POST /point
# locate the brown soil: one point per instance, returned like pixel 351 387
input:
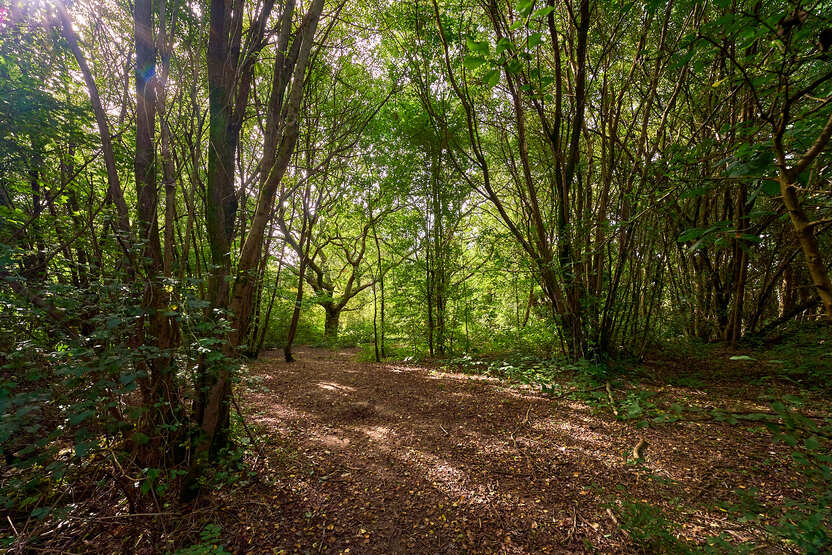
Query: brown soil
pixel 394 458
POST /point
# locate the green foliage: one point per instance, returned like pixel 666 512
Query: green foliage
pixel 526 369
pixel 210 543
pixel 649 529
pixel 807 519
pixel 68 403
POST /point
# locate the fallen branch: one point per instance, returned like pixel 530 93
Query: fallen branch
pixel 251 438
pixel 526 419
pixel 608 387
pixel 639 448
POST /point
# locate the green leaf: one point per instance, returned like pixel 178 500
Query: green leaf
pixel 80 417
pixel 472 62
pixel 502 45
pixel 690 235
pixel 742 357
pixel 140 438
pixel 82 448
pixel 535 39
pixel 477 47
pixel 40 512
pixel 542 12
pixel 514 67
pixel 770 188
pixel 492 77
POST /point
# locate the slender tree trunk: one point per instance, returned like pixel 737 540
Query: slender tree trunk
pixel 379 341
pixel 293 325
pixel 803 228
pixel 305 235
pixel 375 324
pixel 114 192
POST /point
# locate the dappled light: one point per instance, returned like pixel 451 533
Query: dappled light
pixel 336 387
pixel 441 451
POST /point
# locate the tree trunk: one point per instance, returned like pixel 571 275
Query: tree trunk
pixel 808 242
pixel 378 334
pixel 303 255
pixel 331 320
pixel 293 325
pixel 162 410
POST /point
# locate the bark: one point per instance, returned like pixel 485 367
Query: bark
pixel 161 401
pixel 168 168
pixel 293 325
pixel 787 295
pixel 375 325
pixel 803 228
pixel 379 335
pixel 332 317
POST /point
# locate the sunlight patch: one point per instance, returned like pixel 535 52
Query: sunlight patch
pixel 332 386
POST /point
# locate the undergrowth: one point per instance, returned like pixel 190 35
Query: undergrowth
pixel 799 523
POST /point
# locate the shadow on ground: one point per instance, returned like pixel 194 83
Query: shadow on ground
pixel 400 458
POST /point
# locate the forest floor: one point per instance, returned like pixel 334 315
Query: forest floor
pixel 357 457
pixel 391 457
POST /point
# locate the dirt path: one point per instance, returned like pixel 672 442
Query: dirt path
pixel 388 458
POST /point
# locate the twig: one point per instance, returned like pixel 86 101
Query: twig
pixel 245 427
pixel 12 524
pixel 444 430
pixel 574 523
pixel 526 419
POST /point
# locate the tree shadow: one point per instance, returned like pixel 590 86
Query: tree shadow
pixel 448 462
